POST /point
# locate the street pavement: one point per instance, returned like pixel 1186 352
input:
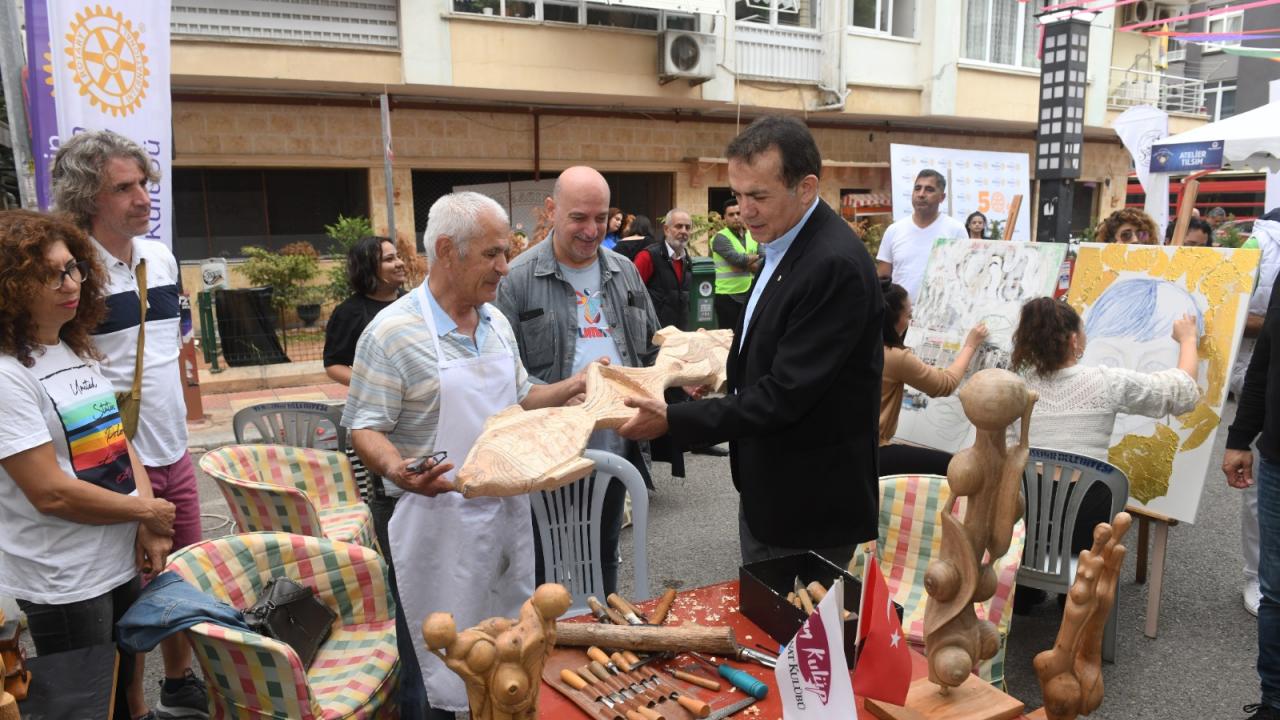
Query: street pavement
pixel 1200 666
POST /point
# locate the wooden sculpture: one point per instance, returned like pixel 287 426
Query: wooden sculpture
pixel 15 679
pixel 521 451
pixel 990 475
pixel 8 703
pixel 500 660
pixel 1071 673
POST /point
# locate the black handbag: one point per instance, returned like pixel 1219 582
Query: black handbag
pixel 292 614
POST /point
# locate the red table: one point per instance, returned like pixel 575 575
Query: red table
pixel 712 605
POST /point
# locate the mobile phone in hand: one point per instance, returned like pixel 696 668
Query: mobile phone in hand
pixel 426 462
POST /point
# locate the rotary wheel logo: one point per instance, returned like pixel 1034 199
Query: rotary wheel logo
pixel 107 60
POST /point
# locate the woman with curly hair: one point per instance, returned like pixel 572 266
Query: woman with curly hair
pixel 377 274
pixel 1130 226
pixel 1078 404
pixel 79 518
pixel 902 368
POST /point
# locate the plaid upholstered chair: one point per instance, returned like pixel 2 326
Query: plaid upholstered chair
pixel 291 489
pixel 910 536
pixel 253 676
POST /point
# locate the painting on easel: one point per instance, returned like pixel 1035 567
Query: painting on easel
pixel 1128 297
pixel 967 282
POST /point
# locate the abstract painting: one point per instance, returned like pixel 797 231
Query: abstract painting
pixel 967 282
pixel 1128 297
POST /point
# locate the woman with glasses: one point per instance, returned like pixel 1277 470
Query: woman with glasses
pixel 902 368
pixel 1130 226
pixel 78 516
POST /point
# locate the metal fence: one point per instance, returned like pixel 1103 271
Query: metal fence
pixel 241 328
pixel 1170 93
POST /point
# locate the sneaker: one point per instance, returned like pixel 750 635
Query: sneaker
pixel 1252 596
pixel 1262 712
pixel 189 701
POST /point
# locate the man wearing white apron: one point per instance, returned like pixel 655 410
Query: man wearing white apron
pixel 429 370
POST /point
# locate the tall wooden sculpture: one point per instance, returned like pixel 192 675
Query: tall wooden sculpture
pixel 990 475
pixel 8 703
pixel 521 451
pixel 500 660
pixel 1071 673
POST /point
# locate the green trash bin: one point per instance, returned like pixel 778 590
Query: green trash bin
pixel 702 294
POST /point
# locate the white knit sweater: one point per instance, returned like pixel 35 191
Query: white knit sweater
pixel 1078 405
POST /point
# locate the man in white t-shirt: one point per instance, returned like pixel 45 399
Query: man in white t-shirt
pixel 103 181
pixel 905 247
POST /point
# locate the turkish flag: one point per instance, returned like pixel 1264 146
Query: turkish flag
pixel 883 671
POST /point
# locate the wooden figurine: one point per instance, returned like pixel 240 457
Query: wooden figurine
pixel 1071 673
pixel 500 660
pixel 521 451
pixel 15 679
pixel 8 703
pixel 989 475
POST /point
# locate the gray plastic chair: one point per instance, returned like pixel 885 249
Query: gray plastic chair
pixel 568 520
pixel 1047 560
pixel 298 423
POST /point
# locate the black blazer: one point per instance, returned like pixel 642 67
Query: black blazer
pixel 803 412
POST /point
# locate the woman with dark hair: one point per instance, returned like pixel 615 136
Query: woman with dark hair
pixel 614 228
pixel 902 368
pixel 976 225
pixel 80 521
pixel 376 274
pixel 1130 226
pixel 640 237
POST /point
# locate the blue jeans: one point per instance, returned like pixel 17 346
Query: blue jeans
pixel 58 628
pixel 1268 481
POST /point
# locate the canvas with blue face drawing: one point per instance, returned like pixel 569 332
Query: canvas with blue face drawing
pixel 967 282
pixel 1128 297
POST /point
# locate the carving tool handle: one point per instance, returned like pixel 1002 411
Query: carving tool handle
pixel 620 662
pixel 619 603
pixel 695 680
pixel 699 708
pixel 650 714
pixel 663 607
pixel 572 679
pixel 744 682
pixel 631 657
pixel 597 655
pixel 603 613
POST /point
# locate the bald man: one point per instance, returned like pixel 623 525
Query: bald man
pixel 572 301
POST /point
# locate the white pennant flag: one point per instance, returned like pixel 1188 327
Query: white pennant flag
pixel 1139 127
pixel 812 673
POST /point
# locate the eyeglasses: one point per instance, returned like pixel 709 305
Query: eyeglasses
pixel 1129 235
pixel 77 270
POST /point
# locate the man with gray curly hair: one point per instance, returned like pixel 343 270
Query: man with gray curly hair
pixel 429 370
pixel 103 181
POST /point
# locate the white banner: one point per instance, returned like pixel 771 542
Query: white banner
pixel 812 673
pixel 1139 127
pixel 976 180
pixel 111 72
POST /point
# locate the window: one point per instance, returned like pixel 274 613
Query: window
pixel 1229 23
pixel 892 17
pixel 217 211
pixel 782 13
pixel 1002 32
pixel 1220 99
pixel 579 12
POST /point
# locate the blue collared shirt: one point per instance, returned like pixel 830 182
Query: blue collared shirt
pixel 773 253
pixel 446 325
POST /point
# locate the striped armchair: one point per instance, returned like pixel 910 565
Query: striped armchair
pixel 910 536
pixel 291 489
pixel 253 676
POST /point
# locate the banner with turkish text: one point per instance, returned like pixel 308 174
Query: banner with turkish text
pixel 111 72
pixel 812 673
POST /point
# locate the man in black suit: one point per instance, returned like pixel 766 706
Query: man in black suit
pixel 803 407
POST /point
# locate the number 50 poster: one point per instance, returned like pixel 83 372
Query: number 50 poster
pixel 976 180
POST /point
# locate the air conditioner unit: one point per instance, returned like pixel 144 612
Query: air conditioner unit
pixel 1141 11
pixel 684 55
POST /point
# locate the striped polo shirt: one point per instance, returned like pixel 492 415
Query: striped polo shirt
pixel 162 420
pixel 395 382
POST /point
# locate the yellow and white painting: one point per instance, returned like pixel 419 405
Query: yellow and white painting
pixel 1128 297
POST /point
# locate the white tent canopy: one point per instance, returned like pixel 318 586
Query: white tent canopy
pixel 1250 139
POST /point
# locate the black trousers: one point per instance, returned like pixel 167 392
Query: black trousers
pixel 898 459
pixel 728 311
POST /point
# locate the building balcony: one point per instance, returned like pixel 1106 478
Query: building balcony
pixel 1170 93
pixel 370 24
pixel 778 54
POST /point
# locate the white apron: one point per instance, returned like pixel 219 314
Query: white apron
pixel 472 558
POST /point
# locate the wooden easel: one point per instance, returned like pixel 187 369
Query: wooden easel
pixel 1146 519
pixel 1014 206
pixel 1186 203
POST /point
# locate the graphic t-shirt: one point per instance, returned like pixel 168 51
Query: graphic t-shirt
pixel 63 400
pixel 595 334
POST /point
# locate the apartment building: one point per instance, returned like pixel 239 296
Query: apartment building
pixel 277 127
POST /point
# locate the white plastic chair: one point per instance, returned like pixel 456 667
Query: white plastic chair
pixel 568 520
pixel 1047 560
pixel 300 423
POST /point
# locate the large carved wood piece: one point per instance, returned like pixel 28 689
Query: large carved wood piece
pixel 1071 673
pixel 521 451
pixel 989 475
pixel 500 660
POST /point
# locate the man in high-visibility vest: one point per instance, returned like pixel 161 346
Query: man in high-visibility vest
pixel 737 258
